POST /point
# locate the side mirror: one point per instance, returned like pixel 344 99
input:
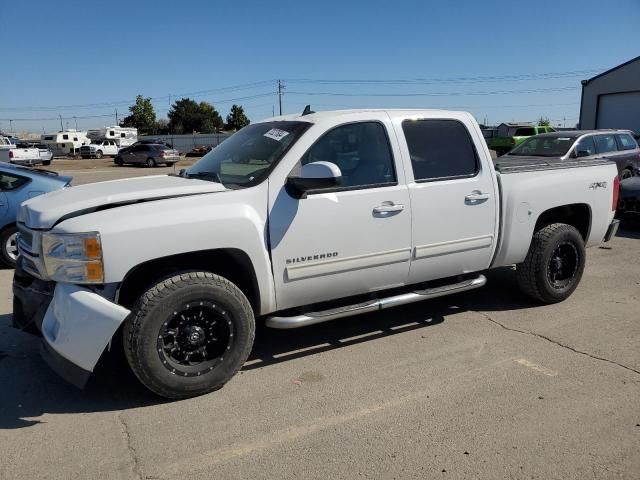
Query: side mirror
pixel 314 176
pixel 582 153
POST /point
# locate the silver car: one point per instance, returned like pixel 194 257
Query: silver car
pixel 148 154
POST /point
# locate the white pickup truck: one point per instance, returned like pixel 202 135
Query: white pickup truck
pixel 294 221
pixel 99 149
pixel 23 154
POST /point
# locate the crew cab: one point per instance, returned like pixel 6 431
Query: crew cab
pixel 294 221
pixel 99 149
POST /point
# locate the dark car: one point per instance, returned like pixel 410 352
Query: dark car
pixel 616 145
pixel 147 154
pixel 629 198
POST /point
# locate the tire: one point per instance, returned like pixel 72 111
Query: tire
pixel 9 246
pixel 554 264
pixel 157 340
pixel 118 161
pixel 626 173
pixel 151 162
pixel 46 163
pixel 99 154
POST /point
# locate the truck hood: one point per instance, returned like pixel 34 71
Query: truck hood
pixel 45 211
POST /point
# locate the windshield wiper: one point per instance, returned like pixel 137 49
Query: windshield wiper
pixel 211 176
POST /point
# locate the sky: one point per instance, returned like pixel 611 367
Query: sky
pixel 500 60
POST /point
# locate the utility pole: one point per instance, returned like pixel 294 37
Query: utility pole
pixel 280 93
pixel 61 127
pixel 11 126
pixel 117 117
pixel 76 120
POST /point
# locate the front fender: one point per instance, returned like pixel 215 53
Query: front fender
pixel 135 234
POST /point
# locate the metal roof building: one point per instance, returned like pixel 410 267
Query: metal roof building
pixel 612 99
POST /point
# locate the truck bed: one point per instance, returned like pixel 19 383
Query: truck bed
pixel 532 164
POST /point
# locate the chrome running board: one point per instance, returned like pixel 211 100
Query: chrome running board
pixel 312 318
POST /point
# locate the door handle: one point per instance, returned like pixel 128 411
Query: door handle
pixel 388 208
pixel 476 196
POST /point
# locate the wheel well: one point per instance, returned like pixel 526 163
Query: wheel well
pixel 231 263
pixel 577 214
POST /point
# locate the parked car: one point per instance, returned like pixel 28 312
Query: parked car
pixel 150 155
pixel 18 184
pixel 99 148
pixel 298 220
pixel 29 154
pixel 515 135
pixel 618 146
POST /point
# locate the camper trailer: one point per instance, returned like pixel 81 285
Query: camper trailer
pixel 123 136
pixel 65 142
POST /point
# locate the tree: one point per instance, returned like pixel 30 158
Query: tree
pixel 544 122
pixel 236 118
pixel 162 126
pixel 142 117
pixel 186 116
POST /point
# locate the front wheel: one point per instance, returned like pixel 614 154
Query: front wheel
pixel 189 334
pixel 99 154
pixel 554 264
pixel 151 162
pixel 118 161
pixel 9 246
pixel 46 163
pixel 626 173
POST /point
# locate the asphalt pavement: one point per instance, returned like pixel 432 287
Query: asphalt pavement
pixel 483 385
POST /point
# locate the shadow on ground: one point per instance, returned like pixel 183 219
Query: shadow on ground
pixel 31 390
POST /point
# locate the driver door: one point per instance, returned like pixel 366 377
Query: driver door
pixel 349 240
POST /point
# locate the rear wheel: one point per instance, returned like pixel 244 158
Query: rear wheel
pixel 9 246
pixel 189 334
pixel 151 162
pixel 46 163
pixel 554 264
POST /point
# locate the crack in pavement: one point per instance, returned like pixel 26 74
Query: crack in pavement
pixel 132 451
pixel 556 342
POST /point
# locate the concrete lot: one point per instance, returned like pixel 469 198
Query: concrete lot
pixel 481 385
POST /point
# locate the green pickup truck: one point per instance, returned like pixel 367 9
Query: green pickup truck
pixel 511 135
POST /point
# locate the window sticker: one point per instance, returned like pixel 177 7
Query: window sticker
pixel 276 134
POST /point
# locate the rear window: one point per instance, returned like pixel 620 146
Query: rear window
pixel 525 132
pixel 11 182
pixel 440 149
pixel 625 142
pixel 605 143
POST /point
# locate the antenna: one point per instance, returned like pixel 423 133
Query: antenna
pixel 307 111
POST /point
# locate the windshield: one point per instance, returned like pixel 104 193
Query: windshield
pixel 544 146
pixel 248 156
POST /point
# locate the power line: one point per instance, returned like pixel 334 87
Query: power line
pixel 437 94
pixel 430 81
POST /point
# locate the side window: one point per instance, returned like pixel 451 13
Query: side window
pixel 65 137
pixel 440 149
pixel 360 150
pixel 525 132
pixel 11 182
pixel 625 142
pixel 112 133
pixel 122 135
pixel 605 143
pixel 586 145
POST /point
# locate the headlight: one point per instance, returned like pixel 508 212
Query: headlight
pixel 73 257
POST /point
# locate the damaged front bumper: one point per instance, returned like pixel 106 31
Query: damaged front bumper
pixel 76 324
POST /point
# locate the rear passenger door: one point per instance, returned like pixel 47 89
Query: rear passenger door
pixel 453 199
